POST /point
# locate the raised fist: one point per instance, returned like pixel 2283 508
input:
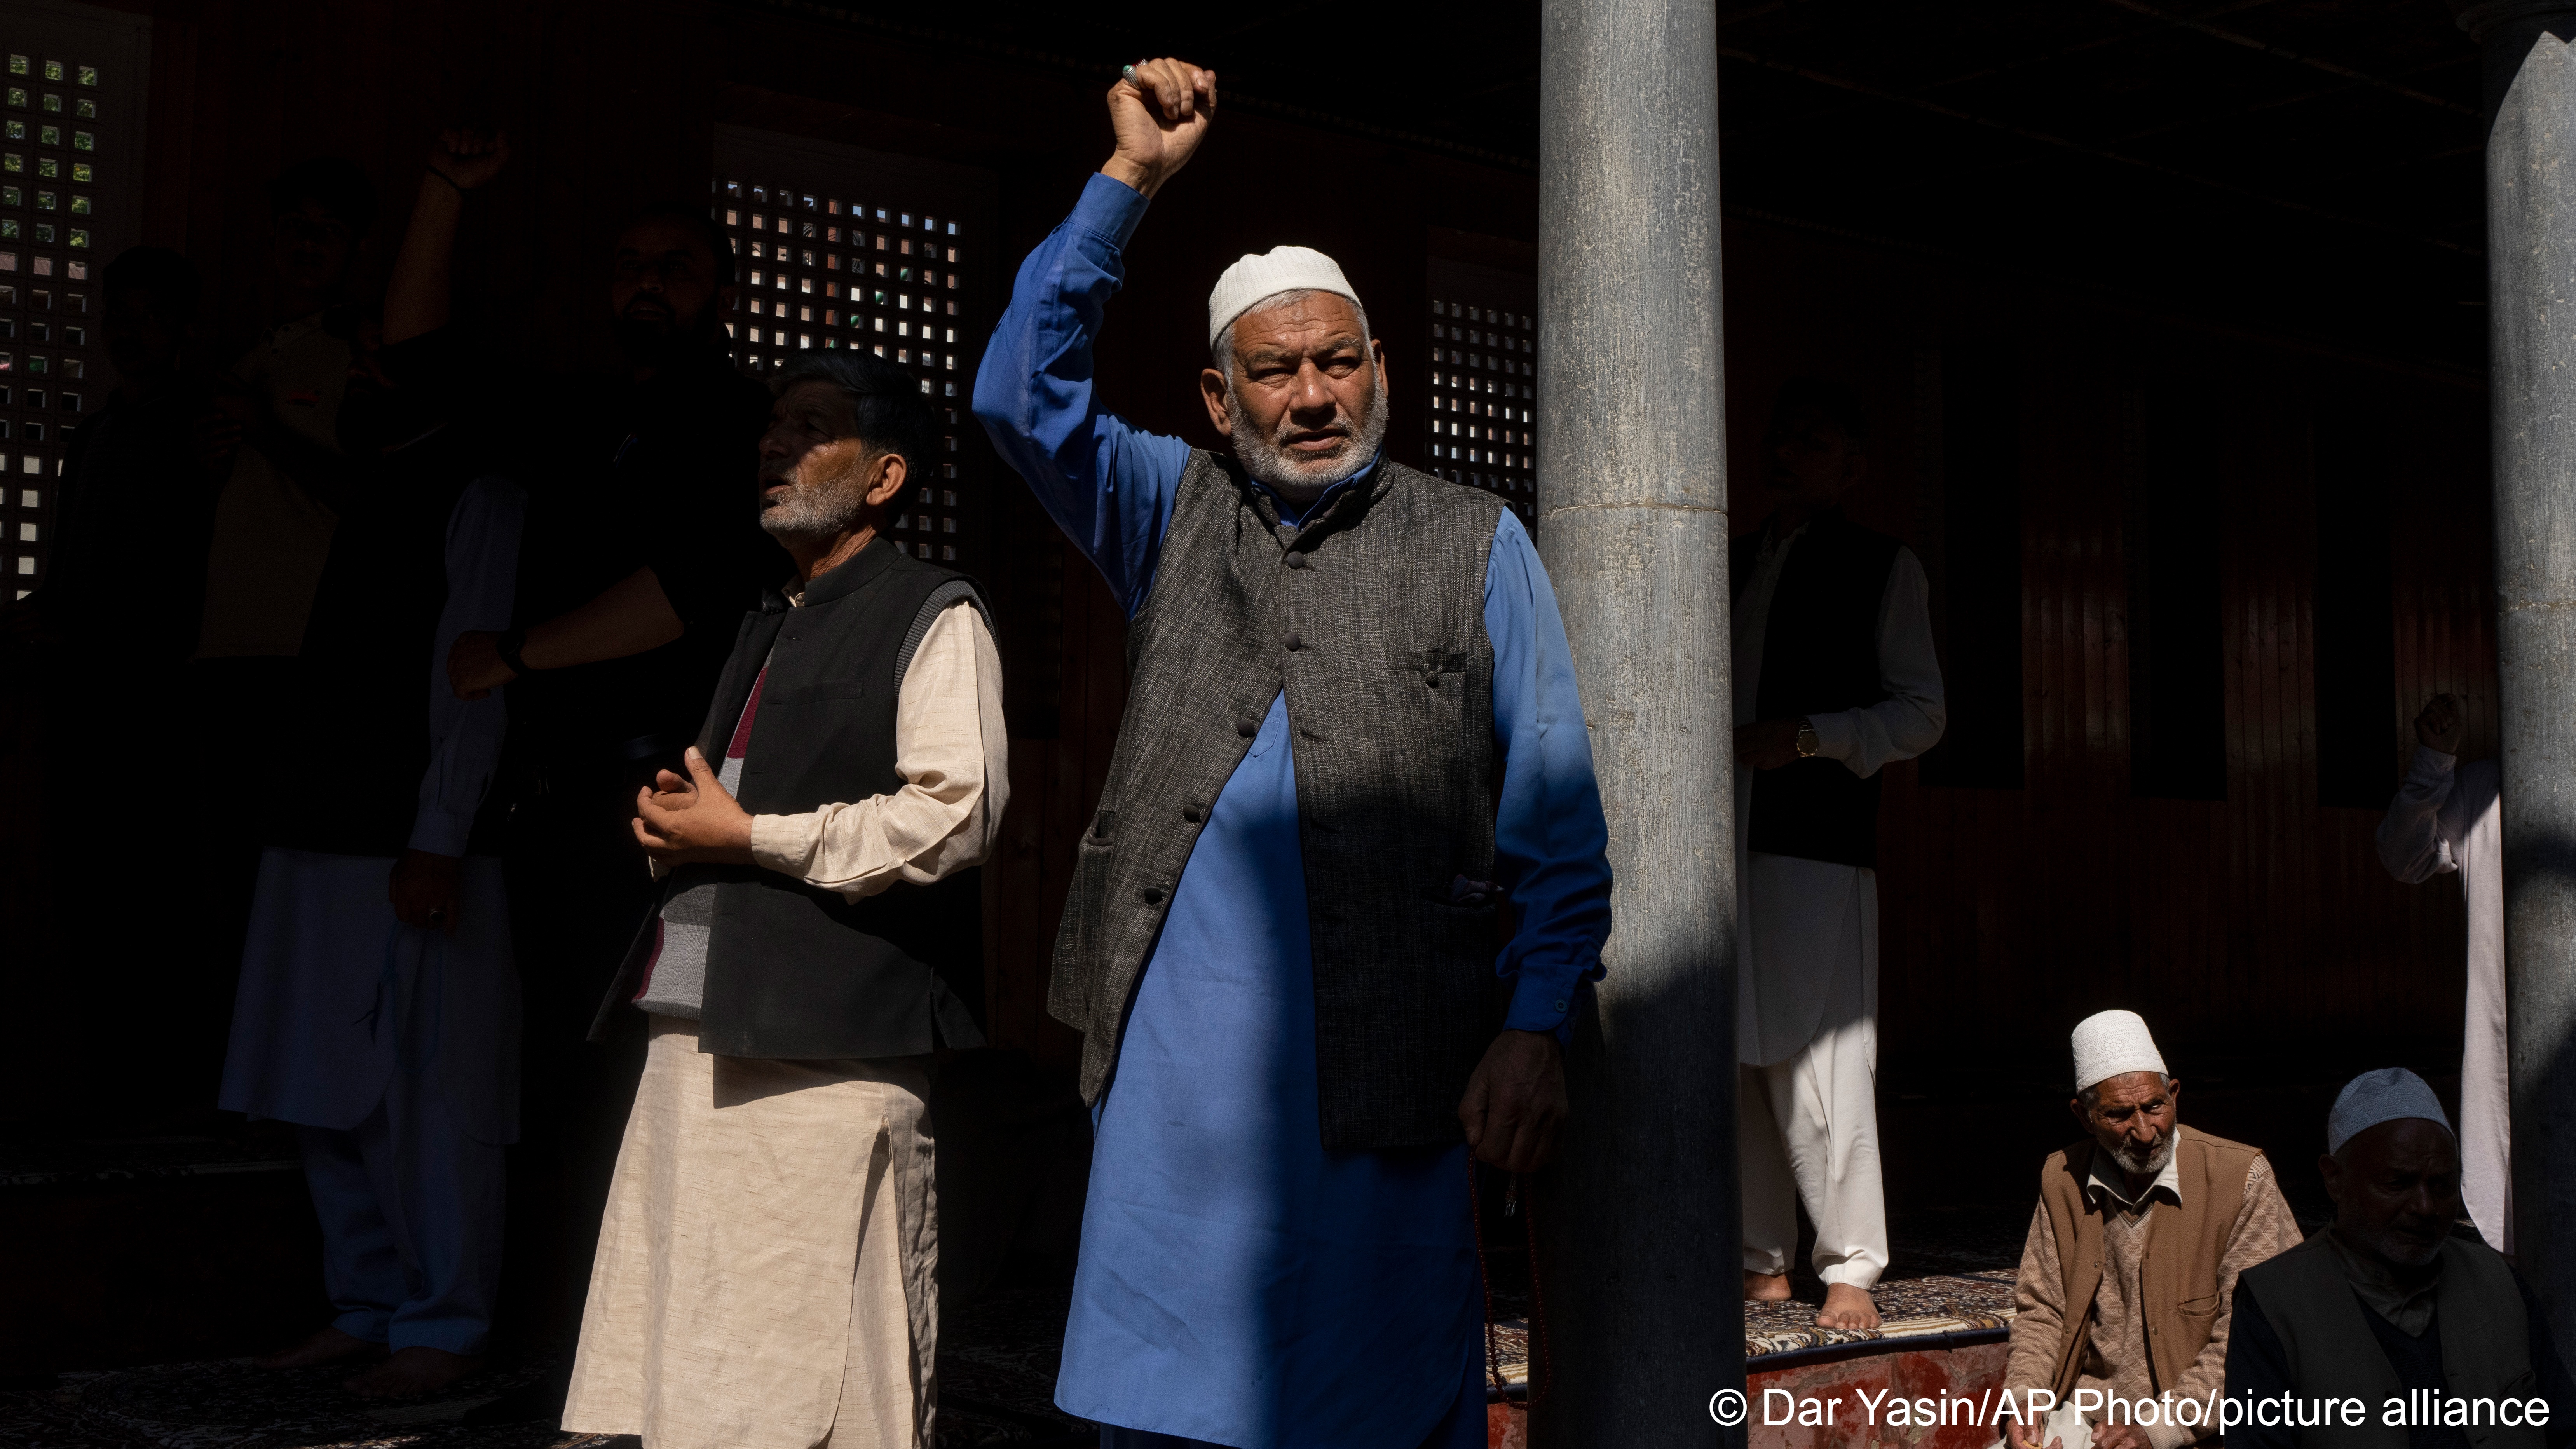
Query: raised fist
pixel 1160 111
pixel 2441 725
pixel 470 158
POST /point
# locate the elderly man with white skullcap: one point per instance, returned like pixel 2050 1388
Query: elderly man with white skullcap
pixel 2132 1257
pixel 2399 1305
pixel 1351 733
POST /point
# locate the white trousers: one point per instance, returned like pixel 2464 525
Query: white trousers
pixel 1807 1123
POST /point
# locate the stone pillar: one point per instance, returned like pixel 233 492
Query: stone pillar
pixel 2531 362
pixel 1643 1267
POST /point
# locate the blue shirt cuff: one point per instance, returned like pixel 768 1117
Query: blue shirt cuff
pixel 1109 208
pixel 1542 1002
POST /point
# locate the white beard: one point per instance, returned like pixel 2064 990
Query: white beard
pixel 809 512
pixel 1300 480
pixel 2149 1165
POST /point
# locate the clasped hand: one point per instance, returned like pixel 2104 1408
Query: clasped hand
pixel 696 819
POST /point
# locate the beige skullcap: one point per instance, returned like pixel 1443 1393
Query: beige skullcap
pixel 1280 269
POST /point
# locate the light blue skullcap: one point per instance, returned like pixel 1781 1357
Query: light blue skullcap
pixel 2385 1095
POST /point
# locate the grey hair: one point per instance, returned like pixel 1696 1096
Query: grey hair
pixel 1221 351
pixel 2093 1094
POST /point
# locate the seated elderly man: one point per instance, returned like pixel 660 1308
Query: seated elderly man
pixel 2399 1305
pixel 2133 1252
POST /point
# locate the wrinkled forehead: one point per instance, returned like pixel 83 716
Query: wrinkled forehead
pixel 2129 1089
pixel 1304 322
pixel 2417 1146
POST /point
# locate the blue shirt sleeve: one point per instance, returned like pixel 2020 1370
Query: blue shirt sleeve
pixel 1107 484
pixel 1551 845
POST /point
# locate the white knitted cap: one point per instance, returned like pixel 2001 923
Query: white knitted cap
pixel 2113 1044
pixel 1281 269
pixel 2381 1096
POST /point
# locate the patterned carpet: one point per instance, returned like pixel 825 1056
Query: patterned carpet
pixel 997 1362
pixel 1907 1308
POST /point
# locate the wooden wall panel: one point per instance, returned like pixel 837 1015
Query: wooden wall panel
pixel 2258 932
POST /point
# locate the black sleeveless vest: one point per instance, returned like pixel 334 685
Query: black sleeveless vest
pixel 1372 619
pixel 2335 1350
pixel 794 971
pixel 1819 656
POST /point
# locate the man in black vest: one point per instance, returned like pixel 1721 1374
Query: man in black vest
pixel 2414 1331
pixel 1834 678
pixel 765 1264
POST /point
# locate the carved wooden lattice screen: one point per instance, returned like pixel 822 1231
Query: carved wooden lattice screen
pixel 839 247
pixel 71 154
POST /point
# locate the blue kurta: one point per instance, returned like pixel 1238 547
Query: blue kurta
pixel 1239 1285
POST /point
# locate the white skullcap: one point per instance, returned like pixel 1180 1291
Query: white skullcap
pixel 2381 1096
pixel 2113 1044
pixel 1281 269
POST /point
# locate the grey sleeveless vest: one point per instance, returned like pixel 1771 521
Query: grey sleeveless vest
pixel 1372 618
pixel 2486 1339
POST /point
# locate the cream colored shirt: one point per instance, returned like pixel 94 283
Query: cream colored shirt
pixel 953 752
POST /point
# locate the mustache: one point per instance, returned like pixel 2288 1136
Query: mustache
pixel 2149 1159
pixel 1339 427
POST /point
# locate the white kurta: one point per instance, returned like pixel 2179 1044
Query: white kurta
pixel 1807 990
pixel 2448 817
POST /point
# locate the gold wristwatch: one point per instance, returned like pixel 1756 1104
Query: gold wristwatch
pixel 1807 742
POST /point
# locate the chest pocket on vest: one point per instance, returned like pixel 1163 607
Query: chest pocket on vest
pixel 1425 693
pixel 2198 1307
pixel 1439 668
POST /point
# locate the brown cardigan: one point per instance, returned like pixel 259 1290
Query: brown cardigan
pixel 2178 1276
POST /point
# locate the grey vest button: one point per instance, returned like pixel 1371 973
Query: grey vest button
pixel 1247 727
pixel 1151 896
pixel 1296 561
pixel 1293 642
pixel 1193 814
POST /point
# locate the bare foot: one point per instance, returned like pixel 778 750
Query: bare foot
pixel 328 1346
pixel 412 1372
pixel 1766 1287
pixel 1847 1307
